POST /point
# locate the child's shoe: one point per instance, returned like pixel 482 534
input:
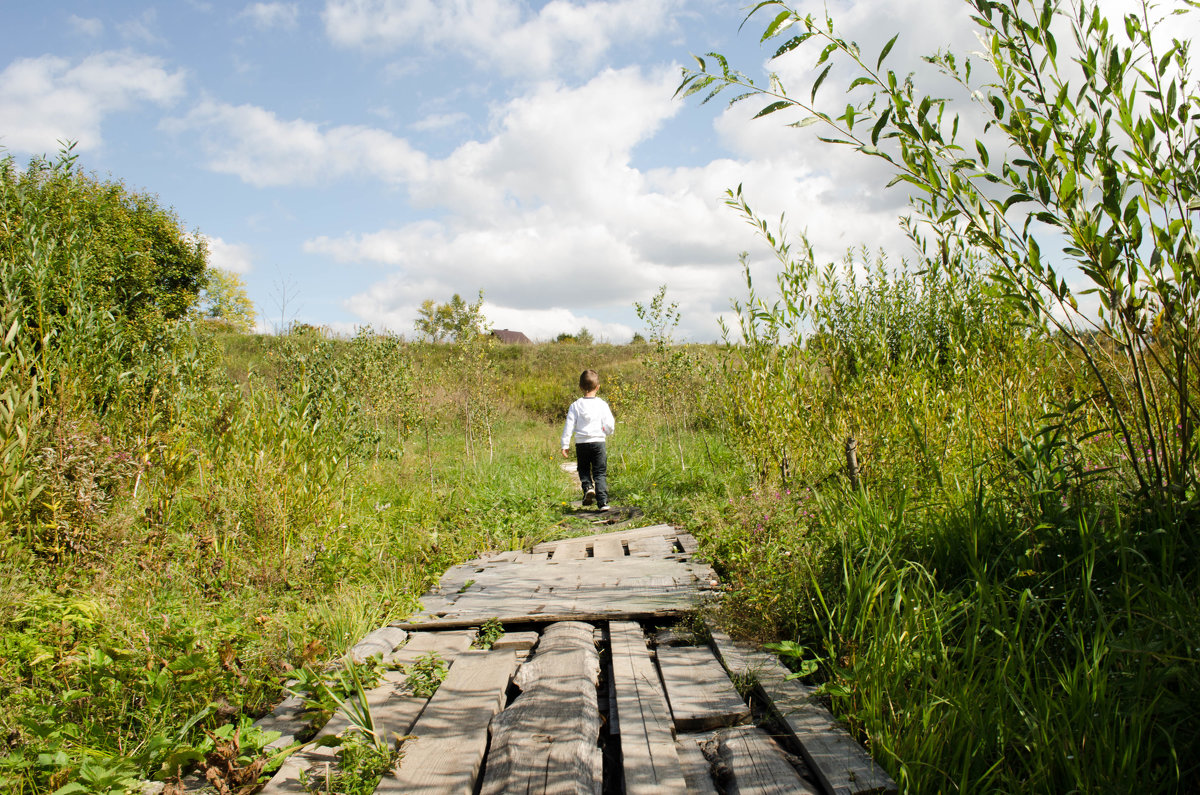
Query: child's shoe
pixel 590 497
pixel 604 508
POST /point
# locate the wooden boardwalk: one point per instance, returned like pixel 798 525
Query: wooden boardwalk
pixel 594 688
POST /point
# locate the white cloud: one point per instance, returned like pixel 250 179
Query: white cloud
pixel 260 148
pixel 86 26
pixel 549 213
pixel 272 15
pixel 547 324
pixel 57 100
pixel 498 33
pixel 232 257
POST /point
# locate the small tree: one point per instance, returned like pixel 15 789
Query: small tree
pixel 455 320
pixel 670 366
pixel 225 300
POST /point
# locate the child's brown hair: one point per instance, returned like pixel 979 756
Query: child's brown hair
pixel 589 380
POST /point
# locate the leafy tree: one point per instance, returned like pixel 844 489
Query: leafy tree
pixel 454 320
pixel 225 300
pixel 138 262
pixel 1090 147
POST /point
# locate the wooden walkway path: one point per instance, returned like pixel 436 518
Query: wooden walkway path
pixel 593 689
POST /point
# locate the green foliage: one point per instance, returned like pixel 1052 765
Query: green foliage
pixel 491 631
pixel 455 320
pixel 361 764
pixel 996 591
pixel 224 300
pixel 426 675
pixel 1098 159
pixel 674 373
pixel 133 258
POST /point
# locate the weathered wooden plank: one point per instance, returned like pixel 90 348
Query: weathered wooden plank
pixel 287 718
pixel 623 535
pixel 657 546
pixel 608 548
pixel 698 689
pixel 688 542
pixel 697 770
pixel 664 604
pixel 651 763
pixel 447 645
pixel 841 764
pixel 517 641
pixel 546 741
pixel 574 549
pixel 756 766
pixel 380 641
pixel 450 737
pixel 393 708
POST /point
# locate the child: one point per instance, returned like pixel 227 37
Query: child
pixel 590 420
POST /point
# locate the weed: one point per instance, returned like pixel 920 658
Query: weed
pixel 489 633
pixel 426 675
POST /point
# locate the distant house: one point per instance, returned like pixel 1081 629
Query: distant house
pixel 510 337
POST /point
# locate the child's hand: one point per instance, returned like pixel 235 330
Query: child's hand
pixel 565 453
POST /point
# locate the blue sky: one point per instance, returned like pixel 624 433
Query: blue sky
pixel 352 158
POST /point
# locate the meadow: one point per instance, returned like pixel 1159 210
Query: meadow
pixel 950 497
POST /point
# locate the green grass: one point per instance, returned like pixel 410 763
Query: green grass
pixel 978 615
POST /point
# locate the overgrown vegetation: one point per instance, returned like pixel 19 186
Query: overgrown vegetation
pixel 1000 597
pixel 1015 565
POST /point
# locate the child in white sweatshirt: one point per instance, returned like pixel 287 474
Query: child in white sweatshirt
pixel 590 420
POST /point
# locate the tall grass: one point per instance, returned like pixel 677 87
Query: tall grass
pixel 991 610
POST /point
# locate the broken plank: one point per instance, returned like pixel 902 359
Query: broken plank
pixel 698 689
pixel 651 763
pixel 546 741
pixel 697 770
pixel 839 762
pixel 450 738
pixel 755 765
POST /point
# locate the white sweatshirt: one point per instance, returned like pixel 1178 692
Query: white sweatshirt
pixel 589 419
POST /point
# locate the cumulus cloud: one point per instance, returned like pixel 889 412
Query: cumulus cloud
pixel 550 213
pixel 56 99
pixel 232 257
pixel 260 148
pixel 272 15
pixel 500 34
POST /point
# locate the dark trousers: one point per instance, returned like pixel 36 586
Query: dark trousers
pixel 593 468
